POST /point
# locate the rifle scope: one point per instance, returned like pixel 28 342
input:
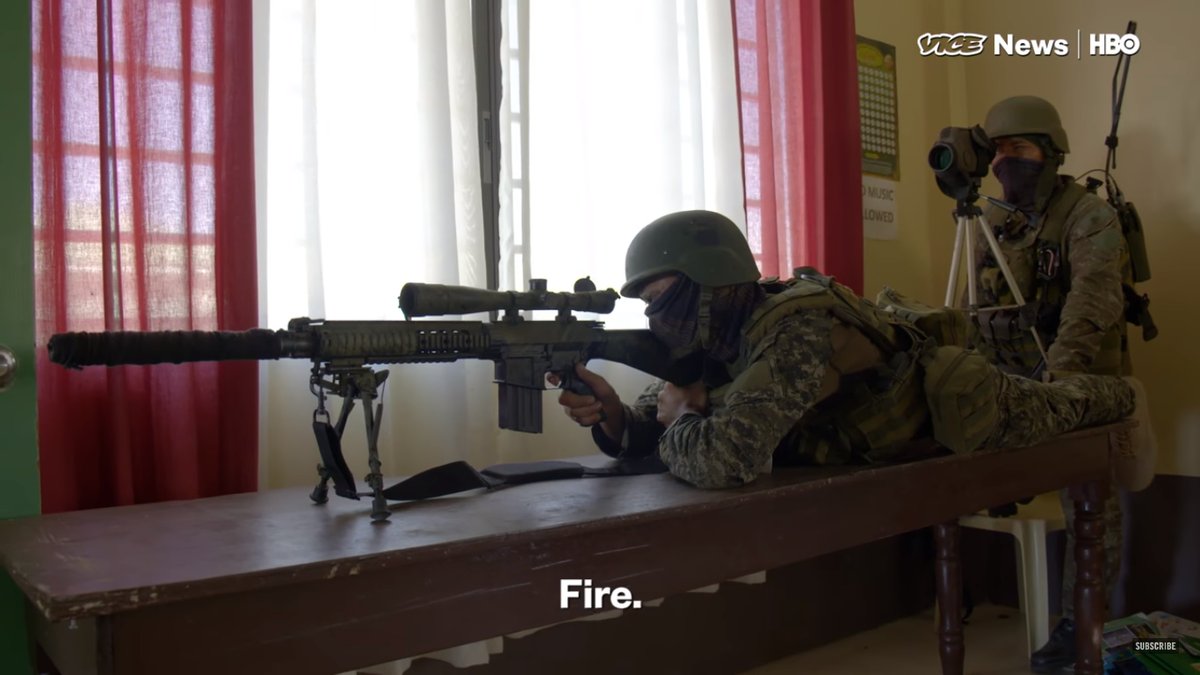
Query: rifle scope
pixel 435 299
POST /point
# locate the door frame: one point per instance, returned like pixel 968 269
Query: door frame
pixel 20 493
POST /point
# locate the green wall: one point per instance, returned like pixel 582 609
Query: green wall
pixel 19 494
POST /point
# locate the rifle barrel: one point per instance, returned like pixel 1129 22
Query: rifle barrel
pixel 135 347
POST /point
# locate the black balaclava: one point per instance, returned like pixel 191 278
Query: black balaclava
pixel 1029 183
pixel 731 307
pixel 675 317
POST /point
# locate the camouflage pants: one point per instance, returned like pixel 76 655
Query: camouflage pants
pixel 1112 548
pixel 1031 411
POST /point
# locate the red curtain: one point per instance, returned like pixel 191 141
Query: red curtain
pixel 144 220
pixel 798 90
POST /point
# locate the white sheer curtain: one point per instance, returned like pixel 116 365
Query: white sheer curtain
pixel 614 113
pixel 628 111
pixel 372 180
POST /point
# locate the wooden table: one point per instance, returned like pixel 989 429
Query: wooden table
pixel 267 582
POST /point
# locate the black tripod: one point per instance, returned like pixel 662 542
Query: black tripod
pixel 970 220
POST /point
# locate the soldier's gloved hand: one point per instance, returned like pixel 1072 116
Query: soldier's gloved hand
pixel 674 402
pixel 604 407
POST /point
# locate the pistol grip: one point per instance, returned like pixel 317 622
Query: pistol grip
pixel 571 382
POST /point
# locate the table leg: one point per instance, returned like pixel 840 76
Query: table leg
pixel 1089 575
pixel 949 595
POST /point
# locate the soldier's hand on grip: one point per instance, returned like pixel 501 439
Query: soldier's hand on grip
pixel 603 407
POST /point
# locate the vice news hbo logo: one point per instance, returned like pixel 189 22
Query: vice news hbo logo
pixel 1006 44
pixel 1110 44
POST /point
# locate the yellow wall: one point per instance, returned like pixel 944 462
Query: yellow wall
pixel 924 107
pixel 1158 158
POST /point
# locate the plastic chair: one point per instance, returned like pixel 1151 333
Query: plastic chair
pixel 1029 527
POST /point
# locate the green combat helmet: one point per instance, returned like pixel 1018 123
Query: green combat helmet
pixel 1025 116
pixel 704 246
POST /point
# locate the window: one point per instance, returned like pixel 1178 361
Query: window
pixel 614 114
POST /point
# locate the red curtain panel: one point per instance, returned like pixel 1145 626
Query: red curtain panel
pixel 798 91
pixel 144 220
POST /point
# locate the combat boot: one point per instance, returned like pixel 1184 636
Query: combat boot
pixel 1059 650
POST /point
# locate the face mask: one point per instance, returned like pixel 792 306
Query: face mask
pixel 731 307
pixel 674 314
pixel 1020 179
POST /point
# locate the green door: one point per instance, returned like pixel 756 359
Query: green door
pixel 18 401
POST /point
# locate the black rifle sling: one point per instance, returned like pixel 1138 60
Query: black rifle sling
pixel 329 444
pixel 460 476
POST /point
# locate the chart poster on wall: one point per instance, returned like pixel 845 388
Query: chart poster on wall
pixel 879 207
pixel 877 108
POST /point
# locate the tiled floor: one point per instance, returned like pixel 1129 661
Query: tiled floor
pixel 995 645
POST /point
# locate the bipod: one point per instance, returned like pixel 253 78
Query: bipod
pixel 351 384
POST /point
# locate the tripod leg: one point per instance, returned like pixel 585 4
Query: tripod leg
pixel 1001 261
pixel 1018 297
pixel 955 263
pixel 972 287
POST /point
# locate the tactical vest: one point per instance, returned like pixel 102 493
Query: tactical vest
pixel 866 415
pixel 1040 267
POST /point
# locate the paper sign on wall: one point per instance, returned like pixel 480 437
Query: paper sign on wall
pixel 877 105
pixel 879 207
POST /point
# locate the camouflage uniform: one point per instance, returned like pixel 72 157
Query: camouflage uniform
pixel 760 416
pixel 816 374
pixel 1080 315
pixel 1079 310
